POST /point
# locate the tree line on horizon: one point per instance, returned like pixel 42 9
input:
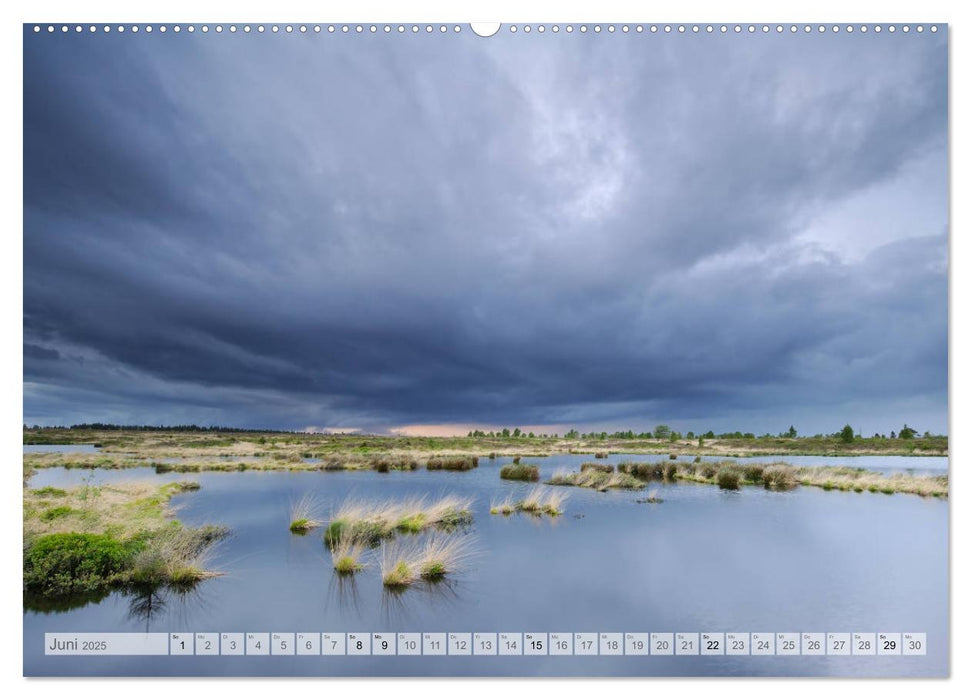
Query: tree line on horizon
pixel 664 432
pixel 660 432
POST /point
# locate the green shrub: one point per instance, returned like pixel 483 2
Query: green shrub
pixel 70 562
pixel 670 471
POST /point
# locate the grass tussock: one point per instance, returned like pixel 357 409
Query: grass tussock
pixel 459 464
pixel 597 467
pixel 347 554
pixel 595 479
pixel 304 515
pixel 728 479
pixel 371 522
pixel 519 472
pixel 507 506
pixel 385 464
pixel 176 556
pixel 431 559
pixel 539 501
pixel 650 471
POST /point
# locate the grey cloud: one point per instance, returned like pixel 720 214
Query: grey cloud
pixel 287 231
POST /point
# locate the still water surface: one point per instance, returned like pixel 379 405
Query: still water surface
pixel 703 560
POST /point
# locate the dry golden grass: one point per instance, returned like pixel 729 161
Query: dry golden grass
pixel 373 521
pixel 595 479
pixel 538 501
pixel 119 510
pixel 347 554
pixel 430 559
pixel 304 515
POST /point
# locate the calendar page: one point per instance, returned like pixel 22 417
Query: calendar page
pixel 515 349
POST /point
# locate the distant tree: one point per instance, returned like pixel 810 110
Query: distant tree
pixel 710 435
pixel 531 434
pixel 662 431
pixel 701 442
pixel 907 433
pixel 517 432
pixel 505 432
pixel 690 435
pixel 791 432
pixel 893 435
pixel 846 434
pixel 572 434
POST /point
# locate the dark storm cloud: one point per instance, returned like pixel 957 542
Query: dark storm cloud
pixel 377 231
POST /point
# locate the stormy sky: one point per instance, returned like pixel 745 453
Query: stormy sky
pixel 424 233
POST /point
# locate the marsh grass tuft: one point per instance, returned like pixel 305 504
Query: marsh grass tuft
pixel 778 477
pixel 175 556
pixel 595 479
pixel 370 523
pixel 538 501
pixel 728 479
pixel 452 463
pixel 384 464
pixel 430 559
pixel 304 515
pixel 520 472
pixel 646 471
pixel 504 507
pixel 753 473
pixel 346 555
pixel 597 467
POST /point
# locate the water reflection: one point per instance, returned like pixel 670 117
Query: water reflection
pixel 342 593
pixel 148 603
pixel 48 605
pixel 400 605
